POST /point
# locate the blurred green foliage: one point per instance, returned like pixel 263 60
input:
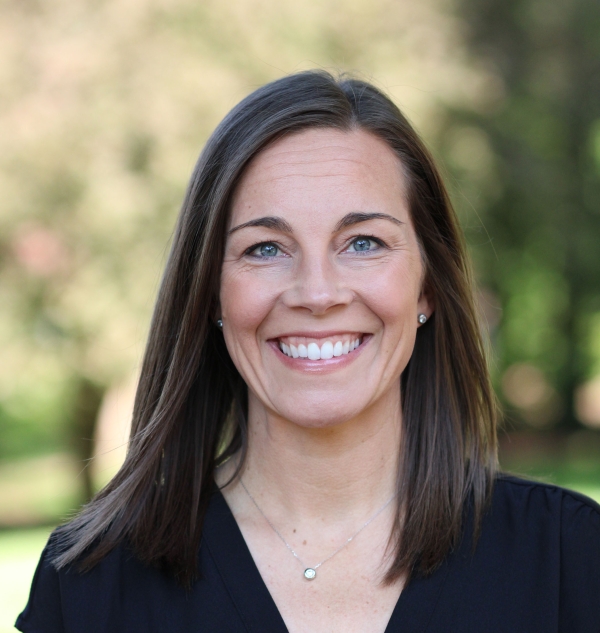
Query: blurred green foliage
pixel 32 424
pixel 529 168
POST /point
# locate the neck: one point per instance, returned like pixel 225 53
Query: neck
pixel 326 473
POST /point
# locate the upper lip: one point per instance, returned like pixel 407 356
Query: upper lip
pixel 318 335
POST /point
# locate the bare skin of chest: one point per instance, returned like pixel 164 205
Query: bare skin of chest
pixel 346 596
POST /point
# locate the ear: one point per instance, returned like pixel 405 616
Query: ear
pixel 426 302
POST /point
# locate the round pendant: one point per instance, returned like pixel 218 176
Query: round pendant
pixel 309 573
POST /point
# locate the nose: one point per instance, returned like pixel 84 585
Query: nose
pixel 318 286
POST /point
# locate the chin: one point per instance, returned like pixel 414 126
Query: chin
pixel 321 414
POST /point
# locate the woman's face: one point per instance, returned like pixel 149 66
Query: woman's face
pixel 321 255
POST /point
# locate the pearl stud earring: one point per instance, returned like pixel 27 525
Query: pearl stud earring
pixel 422 319
pixel 220 324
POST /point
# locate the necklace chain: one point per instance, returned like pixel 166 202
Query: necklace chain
pixel 311 572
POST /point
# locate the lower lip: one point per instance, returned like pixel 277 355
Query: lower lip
pixel 323 365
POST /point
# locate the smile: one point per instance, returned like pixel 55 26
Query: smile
pixel 319 349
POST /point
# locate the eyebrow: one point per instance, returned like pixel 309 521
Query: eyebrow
pixel 279 224
pixel 356 218
pixel 269 222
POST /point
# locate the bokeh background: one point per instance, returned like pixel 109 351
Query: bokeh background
pixel 104 107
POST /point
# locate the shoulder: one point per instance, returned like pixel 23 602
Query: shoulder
pixel 536 565
pixel 50 588
pixel 43 611
pixel 530 499
pixel 44 599
pixel 522 488
pixel 541 513
pixel 530 523
pixel 562 528
pixel 551 536
pixel 121 594
pixel 68 599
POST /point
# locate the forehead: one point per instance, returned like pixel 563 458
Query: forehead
pixel 322 169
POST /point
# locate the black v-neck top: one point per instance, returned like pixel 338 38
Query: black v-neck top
pixel 536 569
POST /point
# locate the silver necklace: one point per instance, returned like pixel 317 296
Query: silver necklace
pixel 310 573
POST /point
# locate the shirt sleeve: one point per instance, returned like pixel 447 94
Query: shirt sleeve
pixel 43 613
pixel 580 565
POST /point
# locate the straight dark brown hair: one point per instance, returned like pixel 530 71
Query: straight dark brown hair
pixel 191 405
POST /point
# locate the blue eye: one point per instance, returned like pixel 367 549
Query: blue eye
pixel 267 249
pixel 362 244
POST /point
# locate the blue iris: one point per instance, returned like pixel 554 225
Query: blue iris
pixel 362 244
pixel 268 250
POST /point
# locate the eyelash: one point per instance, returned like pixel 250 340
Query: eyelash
pixel 250 250
pixel 377 241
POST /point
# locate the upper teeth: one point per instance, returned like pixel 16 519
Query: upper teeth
pixel 317 351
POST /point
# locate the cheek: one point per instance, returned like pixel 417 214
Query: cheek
pixel 393 295
pixel 245 302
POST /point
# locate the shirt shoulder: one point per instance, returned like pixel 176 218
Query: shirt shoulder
pixel 122 594
pixel 519 482
pixel 548 500
pixel 563 526
pixel 534 568
pixel 43 613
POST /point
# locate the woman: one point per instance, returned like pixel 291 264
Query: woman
pixel 313 442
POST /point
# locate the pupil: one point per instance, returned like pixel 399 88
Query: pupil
pixel 361 245
pixel 268 250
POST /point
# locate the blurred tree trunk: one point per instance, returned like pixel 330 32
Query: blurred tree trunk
pixel 86 405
